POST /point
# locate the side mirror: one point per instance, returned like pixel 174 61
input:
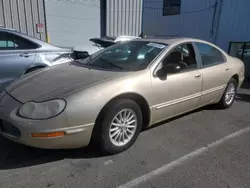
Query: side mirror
pixel 168 68
pixel 79 53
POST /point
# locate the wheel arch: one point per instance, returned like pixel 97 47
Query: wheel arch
pixel 140 100
pixel 34 67
pixel 236 77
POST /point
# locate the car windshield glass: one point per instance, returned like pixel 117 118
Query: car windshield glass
pixel 126 56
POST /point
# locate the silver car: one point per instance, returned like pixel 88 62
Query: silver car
pixel 109 97
pixel 21 54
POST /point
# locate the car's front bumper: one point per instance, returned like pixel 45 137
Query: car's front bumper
pixel 20 129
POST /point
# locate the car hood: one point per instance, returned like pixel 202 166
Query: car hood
pixel 57 82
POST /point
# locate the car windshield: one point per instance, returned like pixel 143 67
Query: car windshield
pixel 126 56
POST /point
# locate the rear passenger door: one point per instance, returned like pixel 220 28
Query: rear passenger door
pixel 215 72
pixel 16 54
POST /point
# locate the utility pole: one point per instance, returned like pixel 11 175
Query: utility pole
pixel 216 20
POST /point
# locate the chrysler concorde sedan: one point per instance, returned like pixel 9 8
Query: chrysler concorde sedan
pixel 109 97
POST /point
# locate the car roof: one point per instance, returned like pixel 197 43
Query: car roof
pixel 41 43
pixel 13 31
pixel 4 28
pixel 168 40
pixel 172 40
pixel 125 38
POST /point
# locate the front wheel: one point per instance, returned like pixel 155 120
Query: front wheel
pixel 120 126
pixel 228 97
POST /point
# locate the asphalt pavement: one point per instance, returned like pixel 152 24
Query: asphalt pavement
pixel 206 148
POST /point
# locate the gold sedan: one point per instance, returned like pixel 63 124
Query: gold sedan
pixel 109 97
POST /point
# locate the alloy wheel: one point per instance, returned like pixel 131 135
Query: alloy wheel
pixel 123 127
pixel 230 94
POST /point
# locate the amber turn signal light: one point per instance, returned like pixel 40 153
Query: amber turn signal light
pixel 48 135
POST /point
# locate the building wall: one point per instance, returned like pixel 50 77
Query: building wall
pixel 23 15
pixel 199 19
pixel 72 22
pixel 123 17
pixel 234 24
pixel 197 24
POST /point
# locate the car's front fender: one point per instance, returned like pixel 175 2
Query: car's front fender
pixel 83 107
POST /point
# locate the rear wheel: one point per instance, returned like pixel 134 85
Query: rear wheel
pixel 120 126
pixel 228 97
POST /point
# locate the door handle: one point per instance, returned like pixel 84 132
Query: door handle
pixel 227 69
pixel 197 76
pixel 25 55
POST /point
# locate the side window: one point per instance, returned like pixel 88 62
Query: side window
pixel 209 55
pixel 183 56
pixel 6 41
pixel 171 7
pixel 12 42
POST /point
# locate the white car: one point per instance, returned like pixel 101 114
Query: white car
pixel 94 45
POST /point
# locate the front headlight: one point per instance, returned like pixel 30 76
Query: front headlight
pixel 44 110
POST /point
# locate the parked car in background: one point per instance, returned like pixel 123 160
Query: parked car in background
pixel 109 97
pixel 243 53
pixel 21 54
pixel 92 46
pixel 246 52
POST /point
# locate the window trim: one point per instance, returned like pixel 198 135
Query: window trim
pixel 157 67
pixel 15 49
pixel 210 65
pixel 171 5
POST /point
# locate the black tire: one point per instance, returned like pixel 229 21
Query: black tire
pixel 102 127
pixel 33 70
pixel 223 104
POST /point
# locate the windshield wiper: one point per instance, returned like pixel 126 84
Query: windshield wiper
pixel 110 63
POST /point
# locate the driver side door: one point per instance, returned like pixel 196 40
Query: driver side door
pixel 179 92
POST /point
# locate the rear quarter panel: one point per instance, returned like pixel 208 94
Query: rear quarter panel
pixel 237 67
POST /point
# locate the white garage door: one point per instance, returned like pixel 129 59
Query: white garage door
pixel 72 22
